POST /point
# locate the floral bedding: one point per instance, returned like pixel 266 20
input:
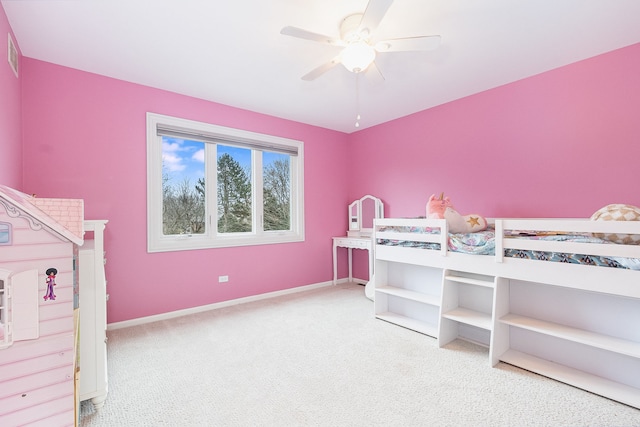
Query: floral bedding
pixel 483 243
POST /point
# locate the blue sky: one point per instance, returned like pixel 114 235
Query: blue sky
pixel 185 159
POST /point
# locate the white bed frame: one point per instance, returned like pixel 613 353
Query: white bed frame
pixel 579 324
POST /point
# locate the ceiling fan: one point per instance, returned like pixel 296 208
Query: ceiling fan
pixel 359 46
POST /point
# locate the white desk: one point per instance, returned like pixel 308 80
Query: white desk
pixel 351 243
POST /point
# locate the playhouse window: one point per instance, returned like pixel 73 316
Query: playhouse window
pixel 5 233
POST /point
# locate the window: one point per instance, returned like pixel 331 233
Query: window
pixel 5 233
pixel 209 186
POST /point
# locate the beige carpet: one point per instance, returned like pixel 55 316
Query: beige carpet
pixel 320 358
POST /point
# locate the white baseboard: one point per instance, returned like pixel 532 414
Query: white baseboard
pixel 199 309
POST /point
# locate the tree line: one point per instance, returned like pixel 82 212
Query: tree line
pixel 183 204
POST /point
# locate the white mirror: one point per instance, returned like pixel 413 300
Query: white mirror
pixel 362 212
pixel 354 216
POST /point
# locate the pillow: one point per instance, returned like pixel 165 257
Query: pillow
pixel 618 212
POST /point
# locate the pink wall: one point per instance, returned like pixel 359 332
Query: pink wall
pixel 563 143
pixel 85 137
pixel 560 144
pixel 10 114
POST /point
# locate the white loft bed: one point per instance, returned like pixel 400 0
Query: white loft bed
pixel 576 323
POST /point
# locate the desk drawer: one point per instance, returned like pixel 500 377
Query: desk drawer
pixel 353 243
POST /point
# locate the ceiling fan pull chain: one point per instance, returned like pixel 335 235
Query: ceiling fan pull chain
pixel 357 100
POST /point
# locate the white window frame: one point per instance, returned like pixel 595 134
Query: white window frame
pixel 158 242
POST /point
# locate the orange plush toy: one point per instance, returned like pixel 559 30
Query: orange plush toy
pixel 441 208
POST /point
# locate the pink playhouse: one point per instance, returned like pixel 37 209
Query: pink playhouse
pixel 39 240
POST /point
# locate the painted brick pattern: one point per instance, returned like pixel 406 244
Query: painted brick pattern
pixel 69 213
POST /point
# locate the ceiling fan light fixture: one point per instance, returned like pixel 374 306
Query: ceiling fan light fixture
pixel 358 56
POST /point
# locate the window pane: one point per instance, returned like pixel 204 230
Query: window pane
pixel 276 176
pixel 234 189
pixel 183 185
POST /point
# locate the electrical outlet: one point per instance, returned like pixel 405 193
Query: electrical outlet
pixel 222 279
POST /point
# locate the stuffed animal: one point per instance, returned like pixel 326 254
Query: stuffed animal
pixel 618 212
pixel 441 208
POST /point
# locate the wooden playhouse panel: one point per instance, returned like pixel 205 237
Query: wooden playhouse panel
pixel 35 397
pixel 19 402
pixel 50 251
pixel 64 266
pixel 27 236
pixel 25 385
pixel 29 366
pixel 56 327
pixel 34 348
pixel 44 414
pixel 59 308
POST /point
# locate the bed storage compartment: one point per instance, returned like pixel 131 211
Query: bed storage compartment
pixel 548 295
pixel 467 307
pixel 408 295
pixel 587 339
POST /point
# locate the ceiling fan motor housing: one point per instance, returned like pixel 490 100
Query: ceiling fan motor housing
pixel 358 54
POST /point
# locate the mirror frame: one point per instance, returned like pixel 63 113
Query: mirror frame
pixel 355 216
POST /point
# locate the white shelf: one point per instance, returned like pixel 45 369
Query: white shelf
pixel 476 306
pixel 409 323
pixel 470 281
pixel 410 295
pixel 469 317
pixel 581 336
pixel 595 384
pixel 467 299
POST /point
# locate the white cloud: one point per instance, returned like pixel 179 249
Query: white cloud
pixel 171 158
pixel 171 146
pixel 172 162
pixel 178 156
pixel 198 156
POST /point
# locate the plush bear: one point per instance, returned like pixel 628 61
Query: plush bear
pixel 441 208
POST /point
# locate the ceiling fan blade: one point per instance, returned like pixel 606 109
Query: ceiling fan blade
pixel 317 72
pixel 308 35
pixel 374 75
pixel 373 14
pixel 420 43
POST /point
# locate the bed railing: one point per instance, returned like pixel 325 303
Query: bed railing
pixel 439 226
pixel 509 230
pixel 517 234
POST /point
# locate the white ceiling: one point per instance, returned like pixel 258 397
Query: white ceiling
pixel 232 52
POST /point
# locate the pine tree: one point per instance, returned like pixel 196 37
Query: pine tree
pixel 234 196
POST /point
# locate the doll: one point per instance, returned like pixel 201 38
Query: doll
pixel 51 282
